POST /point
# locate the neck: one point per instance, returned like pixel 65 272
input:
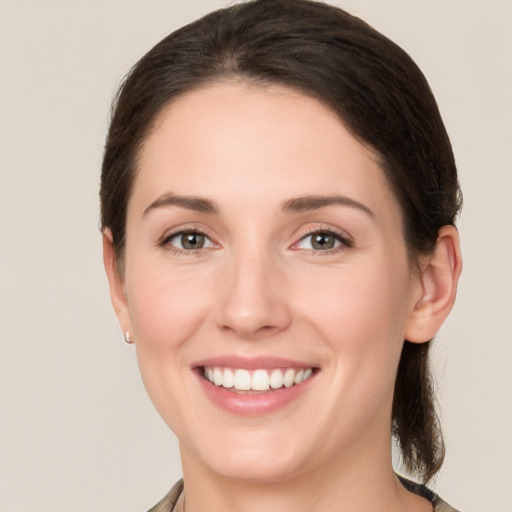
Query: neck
pixel 347 485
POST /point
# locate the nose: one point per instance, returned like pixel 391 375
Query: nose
pixel 253 301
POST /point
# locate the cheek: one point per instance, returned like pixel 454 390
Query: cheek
pixel 368 302
pixel 361 314
pixel 166 305
pixel 167 308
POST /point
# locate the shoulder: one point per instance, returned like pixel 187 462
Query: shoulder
pixel 441 506
pixel 421 490
pixel 168 503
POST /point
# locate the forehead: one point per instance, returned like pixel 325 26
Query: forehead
pixel 243 142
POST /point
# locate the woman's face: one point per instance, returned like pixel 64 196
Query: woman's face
pixel 264 247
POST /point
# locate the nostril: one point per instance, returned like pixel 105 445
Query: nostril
pixel 250 331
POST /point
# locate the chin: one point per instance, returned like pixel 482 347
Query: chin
pixel 252 459
pixel 257 470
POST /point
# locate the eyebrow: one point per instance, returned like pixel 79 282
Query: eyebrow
pixel 294 205
pixel 198 204
pixel 305 203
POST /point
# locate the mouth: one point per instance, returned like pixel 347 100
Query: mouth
pixel 261 380
pixel 254 386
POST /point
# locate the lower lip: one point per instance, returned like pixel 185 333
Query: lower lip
pixel 258 404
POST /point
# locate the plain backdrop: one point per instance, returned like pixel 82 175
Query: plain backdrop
pixel 77 431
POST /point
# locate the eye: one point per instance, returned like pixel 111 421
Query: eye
pixel 188 241
pixel 322 240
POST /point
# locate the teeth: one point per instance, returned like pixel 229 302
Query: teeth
pixel 243 380
pixel 217 377
pixel 259 380
pixel 288 377
pixel 228 379
pixel 276 379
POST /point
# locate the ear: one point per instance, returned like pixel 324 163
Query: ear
pixel 115 282
pixel 438 279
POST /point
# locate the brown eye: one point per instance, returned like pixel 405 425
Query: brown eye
pixel 188 241
pixel 323 241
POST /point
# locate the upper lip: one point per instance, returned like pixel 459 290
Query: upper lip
pixel 251 363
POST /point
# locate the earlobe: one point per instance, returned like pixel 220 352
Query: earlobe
pixel 438 281
pixel 115 281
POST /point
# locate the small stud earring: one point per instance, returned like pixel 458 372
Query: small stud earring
pixel 127 338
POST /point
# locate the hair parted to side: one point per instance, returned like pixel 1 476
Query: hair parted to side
pixel 378 92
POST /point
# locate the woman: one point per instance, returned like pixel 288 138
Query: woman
pixel 278 205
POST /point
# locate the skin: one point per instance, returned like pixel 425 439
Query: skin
pixel 257 288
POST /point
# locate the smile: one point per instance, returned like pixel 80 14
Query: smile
pixel 259 380
pixel 254 386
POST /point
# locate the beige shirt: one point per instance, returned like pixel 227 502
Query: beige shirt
pixel 169 501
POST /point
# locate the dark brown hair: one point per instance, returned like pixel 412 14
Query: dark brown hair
pixel 378 92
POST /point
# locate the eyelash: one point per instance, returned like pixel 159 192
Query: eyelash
pixel 344 241
pixel 165 242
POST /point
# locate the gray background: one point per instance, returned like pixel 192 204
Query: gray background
pixel 76 429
